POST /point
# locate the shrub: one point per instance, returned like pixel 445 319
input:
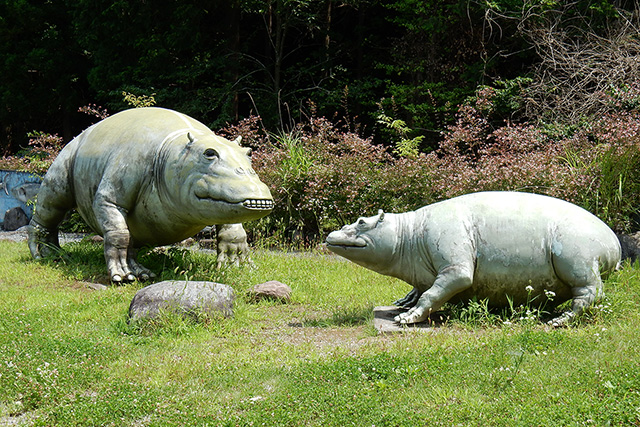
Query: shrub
pixel 595 165
pixel 475 156
pixel 605 159
pixel 37 157
pixel 322 176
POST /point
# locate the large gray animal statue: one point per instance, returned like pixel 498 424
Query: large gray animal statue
pixel 146 176
pixel 490 245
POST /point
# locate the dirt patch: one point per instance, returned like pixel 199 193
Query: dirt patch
pixel 295 324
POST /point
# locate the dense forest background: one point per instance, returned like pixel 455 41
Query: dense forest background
pixel 349 105
pixel 221 61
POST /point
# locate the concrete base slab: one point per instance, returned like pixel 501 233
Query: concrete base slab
pixel 96 286
pixel 384 323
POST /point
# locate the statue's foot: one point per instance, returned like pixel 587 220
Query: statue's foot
pixel 43 242
pixel 564 320
pixel 410 300
pixel 130 272
pixel 121 259
pixel 234 258
pixel 415 315
pixel 141 272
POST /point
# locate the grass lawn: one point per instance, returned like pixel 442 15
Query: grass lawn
pixel 69 357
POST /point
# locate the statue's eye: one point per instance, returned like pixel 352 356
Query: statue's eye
pixel 211 154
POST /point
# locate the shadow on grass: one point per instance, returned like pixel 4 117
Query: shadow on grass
pixel 84 261
pixel 340 316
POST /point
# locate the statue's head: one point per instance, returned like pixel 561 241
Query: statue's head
pixel 370 242
pixel 211 179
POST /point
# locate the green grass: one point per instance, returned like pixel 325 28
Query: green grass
pixel 69 357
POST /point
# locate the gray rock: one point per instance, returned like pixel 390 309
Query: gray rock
pixel 271 290
pixel 630 244
pixel 185 297
pixel 96 286
pixel 208 243
pixel 15 218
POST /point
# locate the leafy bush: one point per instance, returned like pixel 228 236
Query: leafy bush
pixel 323 176
pixel 605 159
pixel 42 151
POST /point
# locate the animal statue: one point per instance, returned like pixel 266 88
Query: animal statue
pixel 499 246
pixel 146 176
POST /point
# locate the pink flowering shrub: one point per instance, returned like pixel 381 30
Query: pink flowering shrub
pixel 42 151
pixel 475 156
pixel 94 110
pixel 44 147
pixel 605 157
pixel 323 176
pixel 597 167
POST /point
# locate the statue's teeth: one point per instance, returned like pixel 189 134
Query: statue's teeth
pixel 258 204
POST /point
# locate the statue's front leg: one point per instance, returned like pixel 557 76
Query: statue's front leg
pixel 116 248
pixel 121 258
pixel 233 247
pixel 119 252
pixel 449 281
pixel 410 300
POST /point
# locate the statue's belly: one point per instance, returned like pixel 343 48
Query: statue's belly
pixel 158 226
pixel 514 280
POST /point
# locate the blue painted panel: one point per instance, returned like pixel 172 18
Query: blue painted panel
pixel 16 188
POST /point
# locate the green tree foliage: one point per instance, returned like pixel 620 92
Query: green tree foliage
pixel 43 70
pixel 175 49
pixel 221 61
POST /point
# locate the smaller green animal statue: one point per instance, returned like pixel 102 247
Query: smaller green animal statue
pixel 146 176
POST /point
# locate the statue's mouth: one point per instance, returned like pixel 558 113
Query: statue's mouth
pixel 250 204
pixel 334 240
pixel 344 246
pixel 258 204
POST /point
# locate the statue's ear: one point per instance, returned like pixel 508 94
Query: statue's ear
pixel 191 140
pixel 238 139
pixel 380 215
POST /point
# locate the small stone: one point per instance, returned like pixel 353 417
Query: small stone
pixel 271 290
pixel 187 243
pixel 207 243
pixel 96 286
pixel 184 297
pixel 15 218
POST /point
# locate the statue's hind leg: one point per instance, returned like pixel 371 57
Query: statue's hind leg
pixel 54 200
pixel 586 287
